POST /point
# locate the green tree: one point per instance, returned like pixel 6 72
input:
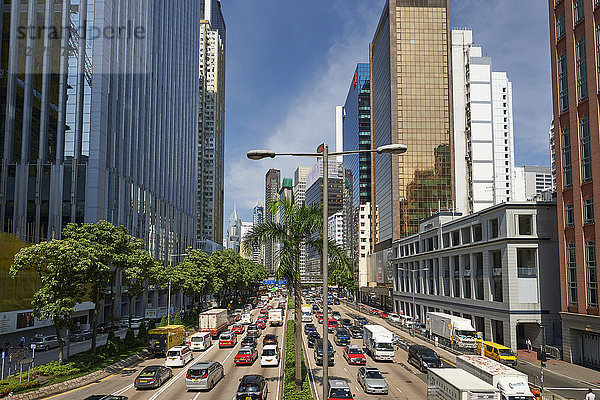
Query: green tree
pixel 193 275
pixel 163 321
pixel 61 266
pixel 140 270
pixel 297 225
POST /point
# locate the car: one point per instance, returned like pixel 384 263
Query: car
pixel 178 356
pixel 421 329
pixel 336 301
pixel 269 307
pixel 332 325
pixel 152 377
pixel 346 322
pixel 105 397
pixel 383 314
pixel 136 322
pixel 319 353
pixel 356 332
pixel 227 339
pixel 264 311
pixel 360 321
pixel 45 343
pixel 204 375
pixel 341 336
pixel 308 328
pixel 338 389
pixel 336 315
pixel 106 327
pixel 394 317
pixel 423 357
pixel 311 337
pixel 269 356
pixel 249 341
pixel 354 355
pixel 261 324
pixel 80 335
pixel 252 387
pixel 371 380
pixel 374 311
pixel 246 356
pixel 270 339
pixel 246 319
pixel 238 329
pixel 253 330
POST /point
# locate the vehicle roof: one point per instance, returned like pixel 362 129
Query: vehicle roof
pixel 371 369
pixel 489 365
pixel 269 346
pixel 462 379
pixel 203 364
pixel 353 346
pixel 251 378
pixel 338 383
pixel 152 367
pixel 270 334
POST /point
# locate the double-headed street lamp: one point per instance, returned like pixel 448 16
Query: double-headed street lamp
pixel 323 152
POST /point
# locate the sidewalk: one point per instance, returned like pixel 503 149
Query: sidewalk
pixel 572 371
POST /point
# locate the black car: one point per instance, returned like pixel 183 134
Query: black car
pixel 345 322
pixel 253 330
pixel 153 376
pixel 341 337
pixel 319 353
pixel 107 327
pixel 356 332
pixel 252 387
pixel 249 341
pixel 269 339
pixel 336 301
pixel 312 337
pixel 423 357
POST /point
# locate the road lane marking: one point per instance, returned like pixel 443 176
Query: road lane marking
pixel 399 389
pixel 196 396
pixel 310 370
pixel 118 392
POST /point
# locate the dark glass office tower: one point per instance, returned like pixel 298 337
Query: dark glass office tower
pixel 357 132
pixel 98 119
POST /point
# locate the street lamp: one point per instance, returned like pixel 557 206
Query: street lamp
pixel 169 295
pixel 414 306
pixel 323 152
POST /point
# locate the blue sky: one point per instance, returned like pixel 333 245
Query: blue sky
pixel 289 63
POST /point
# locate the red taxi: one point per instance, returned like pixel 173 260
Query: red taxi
pixel 246 356
pixel 354 355
pixel 237 329
pixel 227 339
pixel 261 323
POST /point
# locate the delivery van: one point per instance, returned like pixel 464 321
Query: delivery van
pixel 496 352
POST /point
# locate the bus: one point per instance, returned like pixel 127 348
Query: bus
pixel 161 339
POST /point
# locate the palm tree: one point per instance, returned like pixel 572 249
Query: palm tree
pixel 297 225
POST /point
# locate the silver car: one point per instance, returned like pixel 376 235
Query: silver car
pixel 204 375
pixel 45 343
pixel 372 381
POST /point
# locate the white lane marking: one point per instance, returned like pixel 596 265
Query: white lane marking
pixel 399 389
pixel 310 373
pixel 183 371
pixel 279 380
pixel 123 390
pixel 345 369
pixel 196 396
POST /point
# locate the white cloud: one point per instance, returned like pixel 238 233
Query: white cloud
pixel 310 117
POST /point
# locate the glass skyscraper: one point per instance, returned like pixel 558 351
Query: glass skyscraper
pixel 410 105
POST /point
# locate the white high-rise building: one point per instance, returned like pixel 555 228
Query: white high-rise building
pixel 483 128
pixel 299 195
pixel 335 228
pixel 531 181
pixel 258 217
pixel 211 130
pixel 363 246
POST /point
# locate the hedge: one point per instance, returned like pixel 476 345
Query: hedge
pixel 291 302
pixel 15 387
pixel 289 383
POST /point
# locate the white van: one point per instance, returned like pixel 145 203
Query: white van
pixel 178 356
pixel 246 319
pixel 200 341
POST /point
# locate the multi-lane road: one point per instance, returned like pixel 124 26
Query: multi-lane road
pixel 174 388
pixel 404 380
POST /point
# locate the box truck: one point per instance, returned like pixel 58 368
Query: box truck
pixel 452 330
pixel 379 342
pixel 513 384
pixel 213 321
pixel 275 317
pixel 457 384
pixel 306 313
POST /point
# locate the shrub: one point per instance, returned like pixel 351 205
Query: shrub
pixel 17 387
pixel 163 321
pixel 289 383
pixel 177 319
pixel 151 324
pixel 290 301
pixel 142 335
pixel 129 338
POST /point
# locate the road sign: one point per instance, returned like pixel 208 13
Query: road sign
pixel 25 361
pixel 282 282
pixel 2 355
pixel 33 346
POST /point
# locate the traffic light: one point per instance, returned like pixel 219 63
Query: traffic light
pixel 542 356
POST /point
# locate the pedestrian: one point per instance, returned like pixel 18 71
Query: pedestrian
pixel 590 395
pixel 528 344
pixel 6 347
pixel 22 342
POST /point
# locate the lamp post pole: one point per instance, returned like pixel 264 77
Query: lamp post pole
pixel 325 271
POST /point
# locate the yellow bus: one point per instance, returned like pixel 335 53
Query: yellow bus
pixel 163 338
pixel 496 352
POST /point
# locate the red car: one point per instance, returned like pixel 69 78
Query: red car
pixel 246 356
pixel 374 311
pixel 269 307
pixel 332 324
pixel 354 355
pixel 237 329
pixel 264 311
pixel 227 339
pixel 261 324
pixel 319 315
pixel 383 314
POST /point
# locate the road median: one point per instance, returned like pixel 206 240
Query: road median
pixel 289 383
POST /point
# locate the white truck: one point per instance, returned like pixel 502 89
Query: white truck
pixel 452 330
pixel 306 313
pixel 275 317
pixel 457 384
pixel 379 342
pixel 214 321
pixel 513 384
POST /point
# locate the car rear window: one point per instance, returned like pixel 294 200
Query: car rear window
pixel 197 372
pixel 147 374
pixel 249 387
pixel 268 352
pixel 173 353
pixel 374 375
pixel 245 351
pixel 197 339
pixel 355 351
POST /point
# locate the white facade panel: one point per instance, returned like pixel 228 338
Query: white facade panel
pixel 480 73
pixel 481 131
pixel 481 112
pixel 483 171
pixel 481 92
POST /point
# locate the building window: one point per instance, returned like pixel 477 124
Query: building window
pixel 525 224
pixel 560 27
pixel 588 211
pixel 582 83
pixel 571 274
pixel 569 215
pixel 586 150
pixel 592 274
pixel 566 155
pixel 563 83
pixel 526 263
pixel 598 49
pixel 493 228
pixel 578 11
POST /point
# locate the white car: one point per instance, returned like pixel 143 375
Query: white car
pixel 179 356
pixel 246 319
pixel 394 317
pixel 269 356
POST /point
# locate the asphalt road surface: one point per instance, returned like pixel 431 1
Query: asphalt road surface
pixel 174 388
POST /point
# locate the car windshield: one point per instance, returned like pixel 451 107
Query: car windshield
pixel 196 372
pixel 147 373
pixel 385 346
pixel 268 352
pixel 337 393
pixel 355 351
pixel 505 352
pixel 37 339
pixel 374 375
pixel 173 354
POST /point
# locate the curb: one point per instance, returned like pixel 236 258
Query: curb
pixel 76 383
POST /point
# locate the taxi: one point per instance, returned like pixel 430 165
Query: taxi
pixel 354 355
pixel 227 339
pixel 237 329
pixel 246 356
